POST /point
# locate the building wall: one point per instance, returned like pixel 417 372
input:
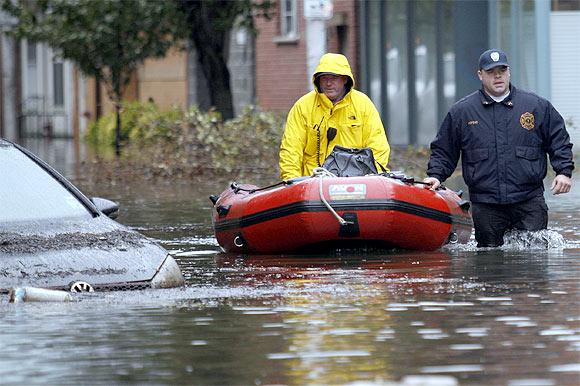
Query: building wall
pixel 565 74
pixel 98 103
pixel 242 68
pixel 163 81
pixel 280 65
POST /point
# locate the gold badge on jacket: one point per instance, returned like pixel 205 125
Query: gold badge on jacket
pixel 527 120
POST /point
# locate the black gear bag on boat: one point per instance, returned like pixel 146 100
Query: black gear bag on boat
pixel 345 162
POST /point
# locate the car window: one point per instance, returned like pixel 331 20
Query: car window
pixel 28 192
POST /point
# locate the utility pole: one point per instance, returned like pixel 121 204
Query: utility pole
pixel 316 13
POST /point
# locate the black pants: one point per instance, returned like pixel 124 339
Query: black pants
pixel 491 221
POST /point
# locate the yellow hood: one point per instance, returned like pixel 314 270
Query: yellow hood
pixel 334 64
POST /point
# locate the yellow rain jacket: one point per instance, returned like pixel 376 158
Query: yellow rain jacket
pixel 305 144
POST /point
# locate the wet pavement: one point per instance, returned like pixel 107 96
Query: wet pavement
pixel 457 316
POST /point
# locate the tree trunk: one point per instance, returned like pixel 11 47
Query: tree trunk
pixel 217 74
pixel 210 23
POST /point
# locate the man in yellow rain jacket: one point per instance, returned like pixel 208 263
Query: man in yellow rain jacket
pixel 334 113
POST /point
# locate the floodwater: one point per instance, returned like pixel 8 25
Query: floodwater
pixel 457 316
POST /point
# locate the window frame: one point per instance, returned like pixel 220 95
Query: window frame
pixel 288 21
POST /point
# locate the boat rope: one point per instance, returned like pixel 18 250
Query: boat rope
pixel 402 177
pixel 320 173
pixel 236 188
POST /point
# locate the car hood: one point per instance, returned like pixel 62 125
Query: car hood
pixel 111 257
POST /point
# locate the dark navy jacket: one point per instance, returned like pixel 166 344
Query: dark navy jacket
pixel 503 146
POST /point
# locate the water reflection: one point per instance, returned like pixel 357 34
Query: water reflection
pixel 62 153
pixel 317 267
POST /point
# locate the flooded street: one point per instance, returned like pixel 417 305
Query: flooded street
pixel 456 316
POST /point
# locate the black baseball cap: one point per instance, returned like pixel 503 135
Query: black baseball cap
pixel 492 58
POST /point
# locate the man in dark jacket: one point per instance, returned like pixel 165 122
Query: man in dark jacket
pixel 502 135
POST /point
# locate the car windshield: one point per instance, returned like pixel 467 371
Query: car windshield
pixel 29 193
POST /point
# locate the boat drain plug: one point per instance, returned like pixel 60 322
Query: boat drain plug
pixel 453 238
pixel 239 241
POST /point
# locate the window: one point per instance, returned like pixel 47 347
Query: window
pixel 288 18
pixel 29 193
pixel 58 83
pixel 31 53
pixel 31 76
pixel 565 5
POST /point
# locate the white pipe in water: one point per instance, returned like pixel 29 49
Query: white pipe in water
pixel 32 294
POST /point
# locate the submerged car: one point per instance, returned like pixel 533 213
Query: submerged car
pixel 53 236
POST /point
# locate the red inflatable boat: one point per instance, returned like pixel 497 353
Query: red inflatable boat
pixel 309 213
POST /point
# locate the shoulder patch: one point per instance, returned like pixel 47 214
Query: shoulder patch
pixel 527 120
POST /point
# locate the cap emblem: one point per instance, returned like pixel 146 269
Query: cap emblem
pixel 527 121
pixel 494 56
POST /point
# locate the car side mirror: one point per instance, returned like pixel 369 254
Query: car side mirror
pixel 107 207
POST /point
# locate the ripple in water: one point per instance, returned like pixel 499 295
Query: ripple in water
pixel 517 240
pixel 524 240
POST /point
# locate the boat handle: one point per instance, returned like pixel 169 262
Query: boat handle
pixel 223 210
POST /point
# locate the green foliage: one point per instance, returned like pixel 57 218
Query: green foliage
pixel 140 121
pixel 177 144
pixel 249 141
pixel 192 142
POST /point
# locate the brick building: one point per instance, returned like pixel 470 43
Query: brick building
pixel 282 74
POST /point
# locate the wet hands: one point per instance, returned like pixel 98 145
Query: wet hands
pixel 561 184
pixel 432 183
